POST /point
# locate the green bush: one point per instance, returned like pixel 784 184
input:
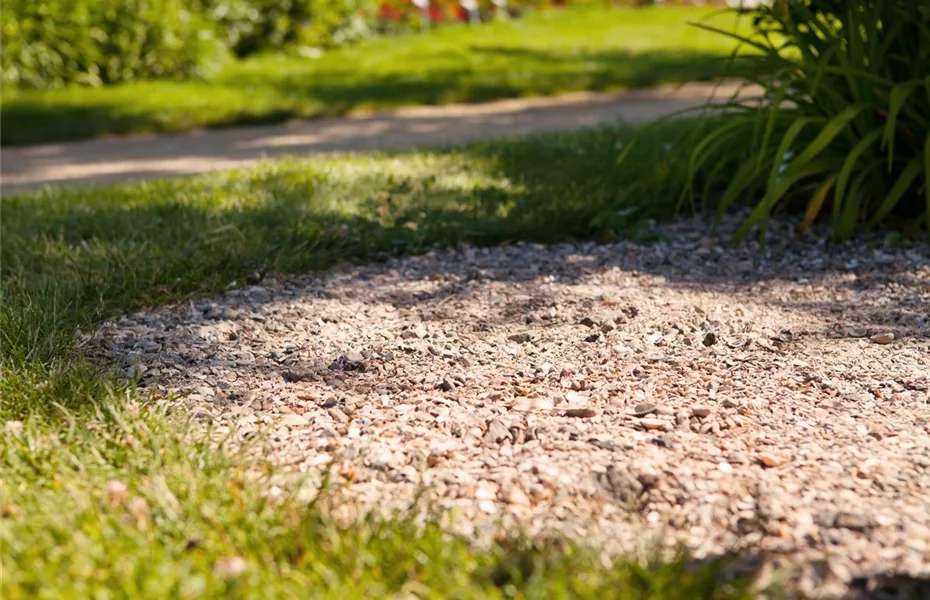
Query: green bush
pixel 251 26
pixel 340 22
pixel 93 42
pixel 844 126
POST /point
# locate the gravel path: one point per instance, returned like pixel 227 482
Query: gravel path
pixel 150 157
pixel 775 402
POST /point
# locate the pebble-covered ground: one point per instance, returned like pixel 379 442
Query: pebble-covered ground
pixel 773 400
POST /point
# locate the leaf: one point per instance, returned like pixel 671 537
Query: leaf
pixel 899 95
pixel 927 182
pixel 833 128
pixel 816 203
pixel 852 159
pixel 901 187
pixel 741 181
pixel 852 203
pixel 702 152
pixel 763 209
pixel 793 131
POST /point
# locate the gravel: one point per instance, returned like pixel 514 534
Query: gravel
pixel 772 400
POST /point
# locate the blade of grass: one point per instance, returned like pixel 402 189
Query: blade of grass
pixel 816 203
pixel 900 188
pixel 850 163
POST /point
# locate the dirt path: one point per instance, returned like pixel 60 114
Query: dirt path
pixel 148 157
pixel 618 393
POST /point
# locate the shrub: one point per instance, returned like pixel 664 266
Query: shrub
pixel 55 42
pixel 340 22
pixel 251 26
pixel 843 128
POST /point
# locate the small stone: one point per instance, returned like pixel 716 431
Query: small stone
pixel 576 398
pixel 737 459
pixel 857 332
pixel 201 414
pixel 607 328
pixel 882 338
pixel 409 334
pixel 593 337
pixel 229 567
pixel 580 413
pixel 724 467
pixel 663 442
pixel 337 415
pixel 293 420
pixel 497 432
pixel 621 484
pixel 588 322
pixel 784 336
pixel 434 350
pixel 134 371
pixel 653 338
pixel 701 410
pixel 643 409
pixel 602 444
pixel 297 374
pixel 854 521
pixel 710 339
pixel 214 312
pixel 654 424
pixel 516 496
pixel 447 385
pixel 520 338
pixel 770 459
pixel 353 356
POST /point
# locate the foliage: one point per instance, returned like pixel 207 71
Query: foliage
pixel 844 126
pixel 95 42
pixel 253 25
pixel 541 54
pixel 337 23
pixel 55 42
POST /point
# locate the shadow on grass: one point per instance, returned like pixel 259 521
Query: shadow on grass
pixel 129 247
pixel 337 91
pixel 524 72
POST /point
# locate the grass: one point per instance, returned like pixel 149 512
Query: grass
pixel 545 53
pixel 107 494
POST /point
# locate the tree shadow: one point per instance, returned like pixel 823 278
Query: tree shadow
pixel 340 91
pixel 293 221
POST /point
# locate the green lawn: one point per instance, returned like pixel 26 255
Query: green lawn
pixel 190 511
pixel 545 53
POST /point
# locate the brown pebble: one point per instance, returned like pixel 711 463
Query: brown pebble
pixel 770 459
pixel 882 338
pixel 657 424
pixel 642 409
pixel 580 413
pixel 701 410
pixel 854 521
